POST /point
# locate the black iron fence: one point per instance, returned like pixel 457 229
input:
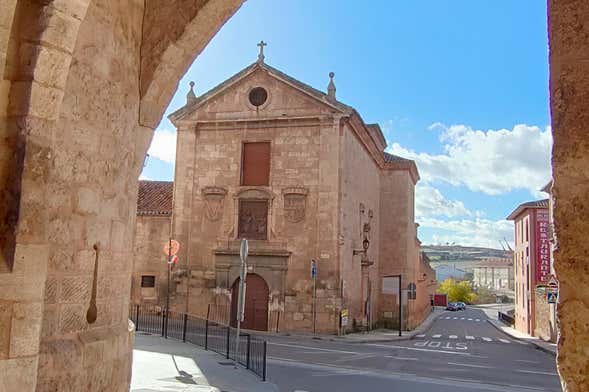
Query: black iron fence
pixel 505 318
pixel 209 334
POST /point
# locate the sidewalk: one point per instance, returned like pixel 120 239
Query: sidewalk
pixel 168 365
pixel 374 336
pixel 512 332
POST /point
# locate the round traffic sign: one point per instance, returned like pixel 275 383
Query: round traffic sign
pixel 174 249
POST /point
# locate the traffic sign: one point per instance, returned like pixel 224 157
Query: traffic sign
pixel 243 250
pixel 552 281
pixel 175 247
pixel 344 317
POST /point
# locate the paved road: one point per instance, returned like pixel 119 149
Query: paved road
pixel 460 352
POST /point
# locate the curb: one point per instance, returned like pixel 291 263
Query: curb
pixel 538 346
pixel 421 329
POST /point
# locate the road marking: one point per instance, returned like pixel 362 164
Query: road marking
pixel 527 361
pixel 537 372
pixel 436 336
pixel 402 358
pixel 487 339
pixel 470 365
pixel 356 357
pixel 431 351
pixel 453 337
pixel 312 348
pixel 420 336
pixel 504 340
pixel 468 337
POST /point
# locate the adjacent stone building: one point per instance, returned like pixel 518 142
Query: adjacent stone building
pixel 265 157
pixel 532 265
pixel 494 274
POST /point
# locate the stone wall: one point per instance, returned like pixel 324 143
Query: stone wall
pixel 151 233
pixel 569 96
pixel 360 190
pixel 542 323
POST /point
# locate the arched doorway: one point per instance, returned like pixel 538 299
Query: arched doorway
pixel 256 303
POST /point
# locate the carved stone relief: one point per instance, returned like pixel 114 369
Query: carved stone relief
pixel 295 200
pixel 214 197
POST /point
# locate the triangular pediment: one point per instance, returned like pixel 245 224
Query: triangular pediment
pixel 286 96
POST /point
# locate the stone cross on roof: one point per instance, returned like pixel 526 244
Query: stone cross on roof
pixel 261 54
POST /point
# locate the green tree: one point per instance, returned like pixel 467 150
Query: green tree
pixel 457 291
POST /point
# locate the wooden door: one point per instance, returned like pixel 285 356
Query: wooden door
pixel 256 303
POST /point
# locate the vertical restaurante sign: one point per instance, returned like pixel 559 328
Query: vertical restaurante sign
pixel 542 247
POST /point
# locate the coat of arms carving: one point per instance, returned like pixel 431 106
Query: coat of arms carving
pixel 213 197
pixel 295 200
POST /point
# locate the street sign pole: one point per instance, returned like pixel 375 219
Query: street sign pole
pixel 314 277
pixel 400 306
pixel 243 251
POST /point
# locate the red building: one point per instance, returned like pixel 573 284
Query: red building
pixel 532 267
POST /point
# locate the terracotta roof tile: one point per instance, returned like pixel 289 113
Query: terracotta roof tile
pixel 155 198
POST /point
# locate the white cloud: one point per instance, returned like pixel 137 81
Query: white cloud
pixel 430 202
pixel 492 162
pixel 470 232
pixel 163 146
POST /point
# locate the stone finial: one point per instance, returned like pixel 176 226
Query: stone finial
pixel 331 88
pixel 261 53
pixel 191 97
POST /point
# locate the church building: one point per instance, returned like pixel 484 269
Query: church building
pixel 265 157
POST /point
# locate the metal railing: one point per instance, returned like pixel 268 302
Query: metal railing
pixel 209 334
pixel 505 318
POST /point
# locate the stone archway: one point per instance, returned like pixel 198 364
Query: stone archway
pixel 82 85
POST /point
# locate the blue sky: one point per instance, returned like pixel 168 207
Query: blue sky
pixel 459 86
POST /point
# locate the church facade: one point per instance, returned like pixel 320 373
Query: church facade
pixel 299 174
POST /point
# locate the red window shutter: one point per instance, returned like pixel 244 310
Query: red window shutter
pixel 255 165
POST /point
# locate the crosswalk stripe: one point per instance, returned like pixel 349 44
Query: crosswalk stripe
pixel 436 336
pixel 420 336
pixel 469 337
pixel 487 339
pixel 504 340
pixel 453 337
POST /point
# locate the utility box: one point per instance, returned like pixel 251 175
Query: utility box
pixel 440 299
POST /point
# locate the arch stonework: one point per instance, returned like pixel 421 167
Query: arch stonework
pixel 82 85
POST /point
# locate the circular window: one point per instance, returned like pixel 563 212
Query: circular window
pixel 258 96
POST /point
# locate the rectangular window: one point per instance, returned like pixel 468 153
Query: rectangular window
pixel 255 164
pixel 253 219
pixel 147 281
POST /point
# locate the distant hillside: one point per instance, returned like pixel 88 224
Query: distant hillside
pixel 457 253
